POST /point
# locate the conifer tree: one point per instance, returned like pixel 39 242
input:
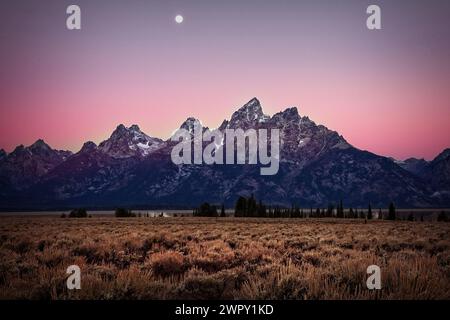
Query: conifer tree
pixel 351 214
pixel 391 215
pixel 369 213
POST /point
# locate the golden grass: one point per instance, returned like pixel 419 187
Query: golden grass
pixel 208 258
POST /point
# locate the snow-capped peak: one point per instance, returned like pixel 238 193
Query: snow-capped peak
pixel 190 124
pixel 126 142
pixel 250 113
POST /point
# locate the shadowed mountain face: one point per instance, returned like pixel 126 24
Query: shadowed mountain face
pixel 416 166
pixel 2 154
pixel 26 165
pixel 436 173
pixel 129 142
pixel 317 167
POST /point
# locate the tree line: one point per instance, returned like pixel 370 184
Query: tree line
pixel 251 207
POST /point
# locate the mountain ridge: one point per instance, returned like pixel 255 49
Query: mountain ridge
pixel 318 166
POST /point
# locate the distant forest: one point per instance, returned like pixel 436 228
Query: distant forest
pixel 251 207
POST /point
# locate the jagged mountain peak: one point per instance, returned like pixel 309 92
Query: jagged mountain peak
pixel 132 131
pixel 127 142
pixel 253 103
pixel 249 114
pixel 41 148
pixel 123 130
pixel 135 127
pixel 288 115
pixel 27 164
pixel 224 125
pixel 3 154
pixel 19 149
pixel 291 111
pixel 40 145
pixel 191 123
pixel 88 147
pixel 443 155
pixel 120 130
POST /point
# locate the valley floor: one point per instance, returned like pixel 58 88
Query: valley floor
pixel 222 258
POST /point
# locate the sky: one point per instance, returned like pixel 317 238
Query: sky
pixel 386 91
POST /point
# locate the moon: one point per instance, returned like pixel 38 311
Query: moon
pixel 179 19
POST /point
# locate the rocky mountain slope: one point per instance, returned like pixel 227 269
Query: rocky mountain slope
pixel 317 167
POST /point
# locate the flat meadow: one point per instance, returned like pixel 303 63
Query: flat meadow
pixel 222 258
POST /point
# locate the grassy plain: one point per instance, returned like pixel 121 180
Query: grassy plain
pixel 222 258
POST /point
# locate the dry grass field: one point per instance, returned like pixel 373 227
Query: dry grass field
pixel 225 258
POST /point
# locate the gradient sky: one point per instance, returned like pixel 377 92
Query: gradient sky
pixel 385 91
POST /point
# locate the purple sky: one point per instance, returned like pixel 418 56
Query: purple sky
pixel 385 91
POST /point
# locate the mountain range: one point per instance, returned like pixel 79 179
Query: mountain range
pixel 317 167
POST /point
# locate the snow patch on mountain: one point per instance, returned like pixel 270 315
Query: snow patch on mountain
pixel 128 142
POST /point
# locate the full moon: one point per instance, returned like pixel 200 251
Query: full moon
pixel 179 19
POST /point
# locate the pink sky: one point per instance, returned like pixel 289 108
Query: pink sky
pixel 385 92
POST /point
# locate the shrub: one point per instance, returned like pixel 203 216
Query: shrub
pixel 78 213
pixel 167 263
pixel 202 287
pixel 206 210
pixel 443 217
pixel 124 213
pixel 22 247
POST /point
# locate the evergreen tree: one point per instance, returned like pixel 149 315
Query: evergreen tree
pixel 262 210
pixel 391 215
pixel 330 210
pixel 351 214
pixel 340 210
pixel 362 215
pixel 251 206
pixel 207 210
pixel 369 213
pixel 239 209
